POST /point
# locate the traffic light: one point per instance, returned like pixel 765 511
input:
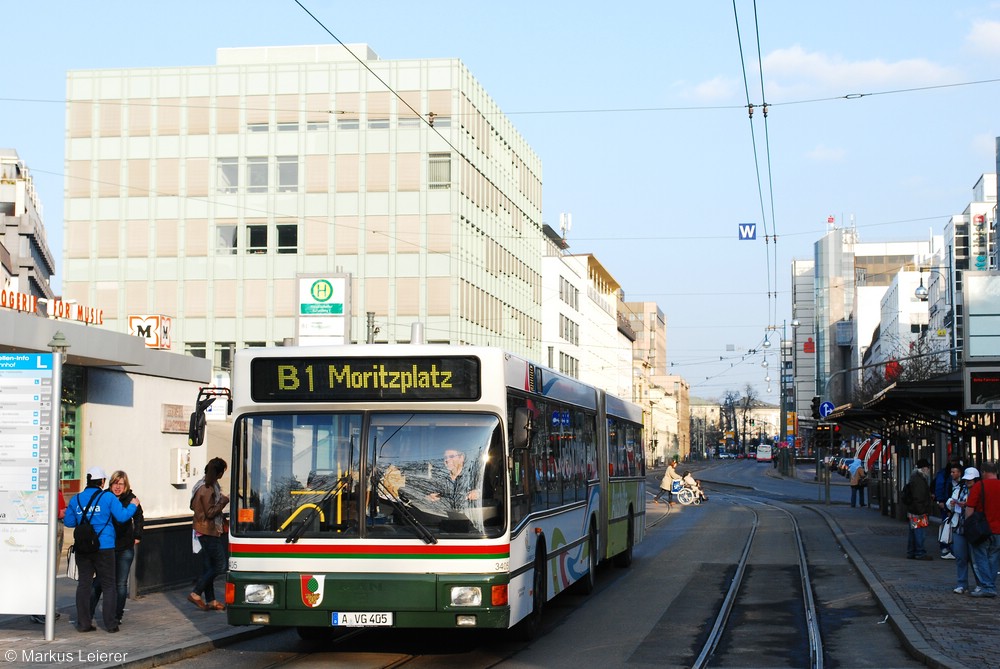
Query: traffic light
pixel 815 407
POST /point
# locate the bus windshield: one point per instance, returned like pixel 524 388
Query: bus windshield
pixel 403 475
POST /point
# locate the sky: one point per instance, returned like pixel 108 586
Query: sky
pixel 880 115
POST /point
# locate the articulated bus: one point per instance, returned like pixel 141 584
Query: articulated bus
pixel 422 486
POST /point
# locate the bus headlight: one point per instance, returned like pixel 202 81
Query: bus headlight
pixel 466 595
pixel 258 593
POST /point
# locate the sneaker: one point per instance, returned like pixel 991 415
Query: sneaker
pixel 979 592
pixel 959 590
pixel 923 557
pixel 947 555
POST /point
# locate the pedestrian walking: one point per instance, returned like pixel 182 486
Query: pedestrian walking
pixel 859 481
pixel 985 496
pixel 919 502
pixel 667 483
pixel 208 503
pixel 956 521
pixel 944 483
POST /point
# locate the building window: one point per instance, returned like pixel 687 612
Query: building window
pixel 347 124
pixel 288 238
pixel 256 239
pixel 257 127
pixel 378 123
pixel 288 174
pixel 569 330
pixel 439 170
pixel 195 348
pixel 257 178
pixel 318 125
pixel 288 127
pixel 227 175
pixel 223 358
pixel 225 240
pixel 408 122
pixel 255 344
pixel 442 122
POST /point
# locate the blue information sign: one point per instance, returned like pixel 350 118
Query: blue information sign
pixel 825 409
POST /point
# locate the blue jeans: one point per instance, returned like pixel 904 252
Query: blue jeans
pixel 986 561
pixel 915 543
pixel 960 549
pixel 213 561
pixel 123 565
pixel 857 491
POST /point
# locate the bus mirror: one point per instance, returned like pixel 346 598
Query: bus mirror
pixel 196 425
pixel 523 428
pixel 196 429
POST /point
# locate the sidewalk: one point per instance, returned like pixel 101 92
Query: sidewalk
pixel 157 628
pixel 936 625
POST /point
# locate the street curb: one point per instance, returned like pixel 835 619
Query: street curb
pixel 162 657
pixel 912 640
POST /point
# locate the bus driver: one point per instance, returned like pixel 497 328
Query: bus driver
pixel 457 489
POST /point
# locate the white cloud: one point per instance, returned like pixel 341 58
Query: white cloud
pixel 794 72
pixel 984 37
pixel 826 154
pixel 714 90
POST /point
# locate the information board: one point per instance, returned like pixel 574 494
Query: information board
pixel 26 406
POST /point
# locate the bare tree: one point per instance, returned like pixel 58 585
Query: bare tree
pixel 747 403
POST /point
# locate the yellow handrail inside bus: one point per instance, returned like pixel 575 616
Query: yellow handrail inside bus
pixel 299 510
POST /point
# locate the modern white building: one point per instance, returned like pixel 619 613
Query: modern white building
pixel 26 263
pixel 205 194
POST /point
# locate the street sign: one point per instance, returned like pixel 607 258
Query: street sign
pixel 825 409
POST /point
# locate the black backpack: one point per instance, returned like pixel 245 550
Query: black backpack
pixel 85 537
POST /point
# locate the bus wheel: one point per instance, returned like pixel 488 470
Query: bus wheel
pixel 528 628
pixel 624 559
pixel 586 585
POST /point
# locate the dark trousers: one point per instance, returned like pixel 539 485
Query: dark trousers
pixel 123 566
pixel 102 565
pixel 213 561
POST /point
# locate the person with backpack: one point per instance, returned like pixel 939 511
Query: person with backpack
pixel 128 535
pixel 91 512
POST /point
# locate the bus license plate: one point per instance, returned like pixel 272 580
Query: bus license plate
pixel 362 619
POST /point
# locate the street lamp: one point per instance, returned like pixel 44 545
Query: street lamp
pixel 922 293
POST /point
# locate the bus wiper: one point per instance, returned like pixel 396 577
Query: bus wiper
pixel 400 504
pixel 337 488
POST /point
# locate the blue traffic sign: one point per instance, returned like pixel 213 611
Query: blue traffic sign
pixel 825 409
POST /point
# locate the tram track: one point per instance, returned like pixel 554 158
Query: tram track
pixel 753 585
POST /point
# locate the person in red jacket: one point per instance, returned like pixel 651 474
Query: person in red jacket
pixel 986 555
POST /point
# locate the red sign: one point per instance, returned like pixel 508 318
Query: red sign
pixel 809 346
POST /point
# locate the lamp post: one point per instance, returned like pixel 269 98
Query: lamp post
pixel 59 346
pixel 783 355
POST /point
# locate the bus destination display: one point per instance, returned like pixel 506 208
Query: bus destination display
pixel 360 379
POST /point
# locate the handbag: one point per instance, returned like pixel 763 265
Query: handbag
pixel 944 534
pixel 918 520
pixel 72 571
pixel 195 543
pixel 977 527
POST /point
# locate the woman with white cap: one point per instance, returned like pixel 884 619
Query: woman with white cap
pixel 99 507
pixel 960 547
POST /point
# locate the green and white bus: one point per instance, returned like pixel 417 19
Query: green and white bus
pixel 422 486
